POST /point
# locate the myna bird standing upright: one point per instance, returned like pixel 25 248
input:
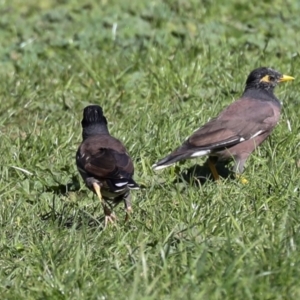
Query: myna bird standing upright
pixel 239 128
pixel 104 163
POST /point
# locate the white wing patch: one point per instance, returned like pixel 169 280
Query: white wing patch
pixel 132 187
pixel 121 184
pixel 256 134
pixel 200 153
pixel 156 167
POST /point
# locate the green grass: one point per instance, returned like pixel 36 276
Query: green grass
pixel 159 69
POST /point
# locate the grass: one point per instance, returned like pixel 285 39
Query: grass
pixel 159 69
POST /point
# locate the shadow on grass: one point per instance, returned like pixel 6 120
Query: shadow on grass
pixel 200 174
pixel 70 215
pixel 63 189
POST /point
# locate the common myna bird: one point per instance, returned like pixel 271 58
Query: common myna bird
pixel 104 163
pixel 238 129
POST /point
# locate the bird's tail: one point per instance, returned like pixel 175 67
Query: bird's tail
pixel 170 160
pixel 133 185
pixel 120 184
pixel 180 154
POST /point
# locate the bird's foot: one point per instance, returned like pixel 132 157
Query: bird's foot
pixel 128 212
pixel 110 218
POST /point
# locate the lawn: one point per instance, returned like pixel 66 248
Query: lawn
pixel 159 69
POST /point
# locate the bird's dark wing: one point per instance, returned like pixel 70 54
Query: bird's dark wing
pixel 240 121
pixel 108 163
pixel 104 157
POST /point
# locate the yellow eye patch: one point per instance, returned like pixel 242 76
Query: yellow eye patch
pixel 283 78
pixel 265 79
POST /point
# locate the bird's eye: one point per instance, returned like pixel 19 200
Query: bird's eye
pixel 271 78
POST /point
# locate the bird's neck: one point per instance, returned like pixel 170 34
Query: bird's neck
pixel 94 129
pixel 262 94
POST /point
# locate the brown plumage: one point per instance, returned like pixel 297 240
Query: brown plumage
pixel 239 129
pixel 104 163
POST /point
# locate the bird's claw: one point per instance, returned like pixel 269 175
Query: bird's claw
pixel 111 218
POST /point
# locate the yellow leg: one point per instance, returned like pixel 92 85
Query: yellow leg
pixel 213 170
pixel 109 216
pixel 97 191
pixel 128 212
pixel 128 207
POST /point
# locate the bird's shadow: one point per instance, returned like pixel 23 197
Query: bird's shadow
pixel 200 174
pixel 63 189
pixel 70 215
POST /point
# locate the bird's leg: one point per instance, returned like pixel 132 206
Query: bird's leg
pixel 213 169
pixel 238 170
pixel 128 207
pixel 109 215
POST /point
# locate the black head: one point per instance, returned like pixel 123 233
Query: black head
pixel 92 115
pixel 265 78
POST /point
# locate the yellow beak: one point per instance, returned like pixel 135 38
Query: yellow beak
pixel 286 78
